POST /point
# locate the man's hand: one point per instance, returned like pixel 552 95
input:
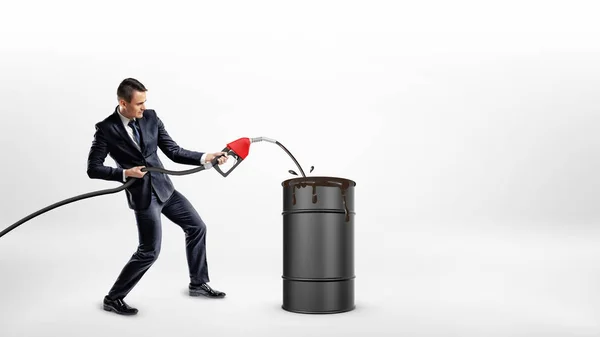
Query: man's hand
pixel 211 156
pixel 135 172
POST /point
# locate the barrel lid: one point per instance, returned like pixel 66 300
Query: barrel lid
pixel 319 181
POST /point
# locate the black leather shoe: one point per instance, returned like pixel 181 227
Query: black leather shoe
pixel 205 290
pixel 119 306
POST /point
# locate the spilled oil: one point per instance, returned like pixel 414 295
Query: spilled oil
pixel 342 184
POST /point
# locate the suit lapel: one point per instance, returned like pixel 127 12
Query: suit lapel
pixel 120 129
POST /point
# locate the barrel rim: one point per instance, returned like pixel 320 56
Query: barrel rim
pixel 301 180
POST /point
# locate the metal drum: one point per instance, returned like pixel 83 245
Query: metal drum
pixel 318 245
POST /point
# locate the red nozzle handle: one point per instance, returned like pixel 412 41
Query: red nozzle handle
pixel 241 147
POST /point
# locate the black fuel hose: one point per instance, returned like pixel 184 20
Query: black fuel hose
pixel 128 183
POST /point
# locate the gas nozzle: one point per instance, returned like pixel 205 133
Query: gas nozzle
pixel 239 149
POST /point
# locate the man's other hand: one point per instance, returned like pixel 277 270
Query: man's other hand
pixel 135 172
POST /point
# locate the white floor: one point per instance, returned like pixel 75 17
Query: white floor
pixel 439 280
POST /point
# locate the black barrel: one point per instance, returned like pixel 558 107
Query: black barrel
pixel 318 245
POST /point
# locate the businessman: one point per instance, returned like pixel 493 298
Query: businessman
pixel 132 135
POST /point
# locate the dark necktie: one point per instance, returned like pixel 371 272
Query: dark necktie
pixel 136 133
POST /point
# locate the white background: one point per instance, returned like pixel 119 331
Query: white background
pixel 470 128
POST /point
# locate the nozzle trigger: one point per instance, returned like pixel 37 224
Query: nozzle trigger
pixel 229 152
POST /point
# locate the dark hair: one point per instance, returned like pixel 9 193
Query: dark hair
pixel 127 87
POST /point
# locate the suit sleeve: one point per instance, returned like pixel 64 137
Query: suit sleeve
pixel 95 164
pixel 173 151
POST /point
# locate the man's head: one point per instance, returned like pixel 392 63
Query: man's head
pixel 132 98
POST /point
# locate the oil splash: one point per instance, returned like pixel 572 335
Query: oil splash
pixel 342 184
pixel 295 161
pixel 294 172
pixel 293 158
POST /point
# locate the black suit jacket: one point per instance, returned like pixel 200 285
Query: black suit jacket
pixel 112 139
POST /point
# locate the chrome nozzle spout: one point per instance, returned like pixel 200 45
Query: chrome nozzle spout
pixel 260 139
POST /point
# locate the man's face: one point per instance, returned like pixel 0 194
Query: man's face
pixel 136 107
